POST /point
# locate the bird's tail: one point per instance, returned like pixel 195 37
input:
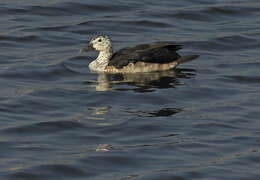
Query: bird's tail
pixel 188 58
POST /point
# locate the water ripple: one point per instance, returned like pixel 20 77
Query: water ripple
pixel 48 73
pixel 61 121
pixel 44 127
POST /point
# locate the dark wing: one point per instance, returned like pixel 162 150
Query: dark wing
pixel 159 52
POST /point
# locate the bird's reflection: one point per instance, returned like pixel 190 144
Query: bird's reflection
pixel 162 112
pixel 142 82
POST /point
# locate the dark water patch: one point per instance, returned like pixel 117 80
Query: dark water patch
pixel 36 10
pixel 244 79
pixel 169 135
pixel 118 26
pixel 51 171
pixel 20 111
pixel 34 103
pixel 54 28
pixel 226 44
pixel 146 23
pixel 253 33
pixel 218 12
pixel 57 40
pixel 201 169
pixel 27 41
pixel 239 41
pixel 65 9
pixel 22 39
pixel 230 10
pixel 23 175
pixel 44 127
pixel 249 68
pixel 64 170
pixel 79 58
pixel 210 126
pixel 248 65
pixel 47 11
pixel 164 112
pixel 225 10
pixel 204 94
pixel 207 13
pixel 8 10
pixel 124 160
pixel 161 175
pixel 31 147
pixel 7 59
pixel 194 16
pixel 85 23
pixel 52 72
pixel 83 8
pixel 174 140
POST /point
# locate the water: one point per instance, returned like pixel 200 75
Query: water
pixel 60 121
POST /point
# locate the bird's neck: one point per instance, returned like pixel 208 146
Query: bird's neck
pixel 102 60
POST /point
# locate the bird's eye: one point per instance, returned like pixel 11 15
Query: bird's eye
pixel 99 40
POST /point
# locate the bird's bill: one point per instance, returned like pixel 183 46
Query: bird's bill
pixel 86 49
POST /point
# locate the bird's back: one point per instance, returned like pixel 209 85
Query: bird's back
pixel 158 52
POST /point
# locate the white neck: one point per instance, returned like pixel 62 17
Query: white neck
pixel 102 60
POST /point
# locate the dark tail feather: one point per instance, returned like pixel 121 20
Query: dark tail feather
pixel 188 58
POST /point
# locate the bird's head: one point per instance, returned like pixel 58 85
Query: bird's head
pixel 98 43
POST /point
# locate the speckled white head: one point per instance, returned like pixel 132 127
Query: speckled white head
pixel 101 43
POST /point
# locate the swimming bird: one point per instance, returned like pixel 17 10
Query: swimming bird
pixel 158 56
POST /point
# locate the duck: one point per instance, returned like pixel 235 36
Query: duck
pixel 142 58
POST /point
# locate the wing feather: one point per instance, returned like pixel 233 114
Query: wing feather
pixel 159 52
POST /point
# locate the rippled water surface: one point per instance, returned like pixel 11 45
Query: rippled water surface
pixel 61 121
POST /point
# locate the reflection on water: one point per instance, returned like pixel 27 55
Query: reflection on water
pixel 142 82
pixel 97 115
pixel 161 125
pixel 156 113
